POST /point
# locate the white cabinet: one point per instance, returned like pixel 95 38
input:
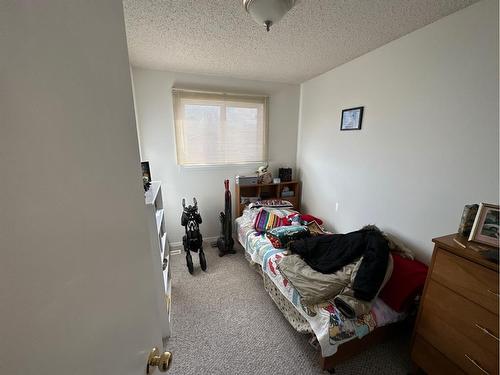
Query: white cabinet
pixel 161 253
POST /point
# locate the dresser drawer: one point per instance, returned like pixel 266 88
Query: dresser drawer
pixel 460 329
pixel 469 279
pixel 432 361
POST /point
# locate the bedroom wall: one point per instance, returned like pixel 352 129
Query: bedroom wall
pixel 153 98
pixel 429 138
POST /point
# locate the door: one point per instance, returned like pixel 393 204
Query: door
pixel 77 293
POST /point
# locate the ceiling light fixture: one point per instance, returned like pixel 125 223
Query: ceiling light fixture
pixel 268 12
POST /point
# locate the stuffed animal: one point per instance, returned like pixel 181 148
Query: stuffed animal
pixel 146 183
pixel 263 175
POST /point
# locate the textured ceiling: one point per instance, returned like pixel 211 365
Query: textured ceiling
pixel 217 37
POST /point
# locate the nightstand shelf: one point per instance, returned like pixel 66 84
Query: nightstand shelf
pixel 267 191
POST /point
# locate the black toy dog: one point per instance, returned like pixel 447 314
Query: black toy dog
pixel 192 240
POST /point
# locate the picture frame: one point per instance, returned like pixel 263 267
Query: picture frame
pixel 485 229
pixel 352 118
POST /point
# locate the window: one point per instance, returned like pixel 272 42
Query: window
pixel 212 129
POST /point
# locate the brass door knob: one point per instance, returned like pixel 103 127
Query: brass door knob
pixel 155 359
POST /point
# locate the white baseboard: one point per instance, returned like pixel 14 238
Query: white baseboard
pixel 178 245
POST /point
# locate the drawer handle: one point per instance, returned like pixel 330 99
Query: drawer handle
pixel 492 292
pixel 477 365
pixel 487 331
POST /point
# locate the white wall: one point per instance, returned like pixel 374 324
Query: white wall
pixel 155 118
pixel 75 264
pixel 429 139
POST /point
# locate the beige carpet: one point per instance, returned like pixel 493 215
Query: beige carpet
pixel 225 323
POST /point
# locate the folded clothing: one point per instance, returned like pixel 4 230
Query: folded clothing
pixel 268 219
pixel 280 237
pixel 407 281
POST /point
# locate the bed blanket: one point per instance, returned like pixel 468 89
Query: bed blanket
pixel 329 325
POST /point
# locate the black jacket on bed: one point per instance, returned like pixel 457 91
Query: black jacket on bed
pixel 329 253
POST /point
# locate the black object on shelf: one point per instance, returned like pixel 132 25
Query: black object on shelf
pixel 146 175
pixel 285 174
pixel 145 170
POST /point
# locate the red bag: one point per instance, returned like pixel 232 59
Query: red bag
pixel 406 282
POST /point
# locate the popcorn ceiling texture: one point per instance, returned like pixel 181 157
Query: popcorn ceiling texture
pixel 217 37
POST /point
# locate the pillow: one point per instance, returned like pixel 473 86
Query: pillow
pixel 271 203
pixel 282 236
pixel 406 282
pixel 266 220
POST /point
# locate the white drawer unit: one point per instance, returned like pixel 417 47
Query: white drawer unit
pixel 161 254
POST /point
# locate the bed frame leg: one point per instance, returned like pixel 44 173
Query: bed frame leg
pixel 327 365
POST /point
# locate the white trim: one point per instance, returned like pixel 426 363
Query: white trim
pixel 252 95
pixel 178 245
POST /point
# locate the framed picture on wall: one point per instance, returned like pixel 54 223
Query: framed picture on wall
pixel 485 227
pixel 351 118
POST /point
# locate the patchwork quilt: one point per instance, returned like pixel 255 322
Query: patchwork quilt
pixel 329 325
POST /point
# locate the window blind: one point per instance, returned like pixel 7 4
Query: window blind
pixel 217 128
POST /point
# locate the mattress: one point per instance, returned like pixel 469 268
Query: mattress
pixel 329 325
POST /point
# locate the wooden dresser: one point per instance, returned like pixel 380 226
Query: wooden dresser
pixel 457 324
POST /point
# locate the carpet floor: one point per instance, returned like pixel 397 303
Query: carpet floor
pixel 224 322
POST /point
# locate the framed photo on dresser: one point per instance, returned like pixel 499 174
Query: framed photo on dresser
pixel 486 225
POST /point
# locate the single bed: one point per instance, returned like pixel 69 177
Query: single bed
pixel 329 326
